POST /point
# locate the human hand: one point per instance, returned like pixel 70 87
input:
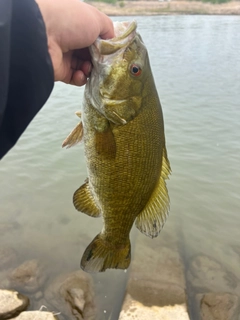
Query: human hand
pixel 72 26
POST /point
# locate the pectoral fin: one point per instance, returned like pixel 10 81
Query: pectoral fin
pixel 83 201
pixel 105 143
pixel 75 136
pixel 151 220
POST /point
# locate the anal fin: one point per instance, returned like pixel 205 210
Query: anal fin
pixel 84 201
pixel 151 220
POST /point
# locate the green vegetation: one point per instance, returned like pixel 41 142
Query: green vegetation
pixel 121 4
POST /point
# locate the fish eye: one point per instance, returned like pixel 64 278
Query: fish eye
pixel 135 70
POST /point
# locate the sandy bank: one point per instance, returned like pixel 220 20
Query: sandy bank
pixel 128 8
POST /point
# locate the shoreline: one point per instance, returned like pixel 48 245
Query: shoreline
pixel 150 8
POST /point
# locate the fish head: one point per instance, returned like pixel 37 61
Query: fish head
pixel 120 69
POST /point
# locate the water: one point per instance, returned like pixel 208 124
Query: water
pixel 196 64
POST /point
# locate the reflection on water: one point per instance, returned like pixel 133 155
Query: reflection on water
pixel 196 63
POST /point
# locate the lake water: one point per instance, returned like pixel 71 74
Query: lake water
pixel 196 65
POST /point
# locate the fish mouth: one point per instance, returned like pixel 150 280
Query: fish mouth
pixel 101 49
pixel 124 29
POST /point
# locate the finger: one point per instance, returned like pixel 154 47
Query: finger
pixel 79 58
pixel 84 66
pixel 106 28
pixel 78 78
pixel 87 68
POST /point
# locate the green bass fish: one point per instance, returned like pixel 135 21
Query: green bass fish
pixel 123 133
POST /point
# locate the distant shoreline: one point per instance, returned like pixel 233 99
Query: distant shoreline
pixel 147 8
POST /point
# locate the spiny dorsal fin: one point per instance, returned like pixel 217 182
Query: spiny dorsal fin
pixel 75 136
pixel 151 220
pixel 83 201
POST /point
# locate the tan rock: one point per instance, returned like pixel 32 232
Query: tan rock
pixel 160 263
pixel 36 315
pixel 157 293
pixel 11 304
pixel 28 277
pixel 219 306
pixel 156 275
pixel 156 285
pixel 72 294
pixel 133 310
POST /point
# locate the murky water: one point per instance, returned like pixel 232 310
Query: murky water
pixel 196 65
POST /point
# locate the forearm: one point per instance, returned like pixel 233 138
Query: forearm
pixel 30 78
pixel 44 45
pixel 5 24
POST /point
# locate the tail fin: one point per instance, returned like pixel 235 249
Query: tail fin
pixel 101 255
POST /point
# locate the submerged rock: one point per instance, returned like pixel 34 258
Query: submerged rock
pixel 72 294
pixel 4 282
pixel 206 274
pixel 38 295
pixel 11 304
pixel 156 285
pixel 219 306
pixel 36 315
pixel 28 277
pixel 157 276
pixel 135 310
pixel 236 249
pixel 156 293
pixel 8 227
pixel 8 257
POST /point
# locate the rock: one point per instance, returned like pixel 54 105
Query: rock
pixel 72 295
pixel 28 277
pixel 135 310
pixel 162 264
pixel 156 293
pixel 38 295
pixel 219 306
pixel 156 276
pixel 236 248
pixel 11 304
pixel 8 257
pixel 206 274
pixel 4 282
pixel 36 315
pixel 41 304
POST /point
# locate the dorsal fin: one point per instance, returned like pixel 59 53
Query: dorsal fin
pixel 75 136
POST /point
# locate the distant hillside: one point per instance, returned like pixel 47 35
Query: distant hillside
pixel 138 7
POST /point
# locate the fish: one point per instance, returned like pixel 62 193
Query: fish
pixel 122 128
